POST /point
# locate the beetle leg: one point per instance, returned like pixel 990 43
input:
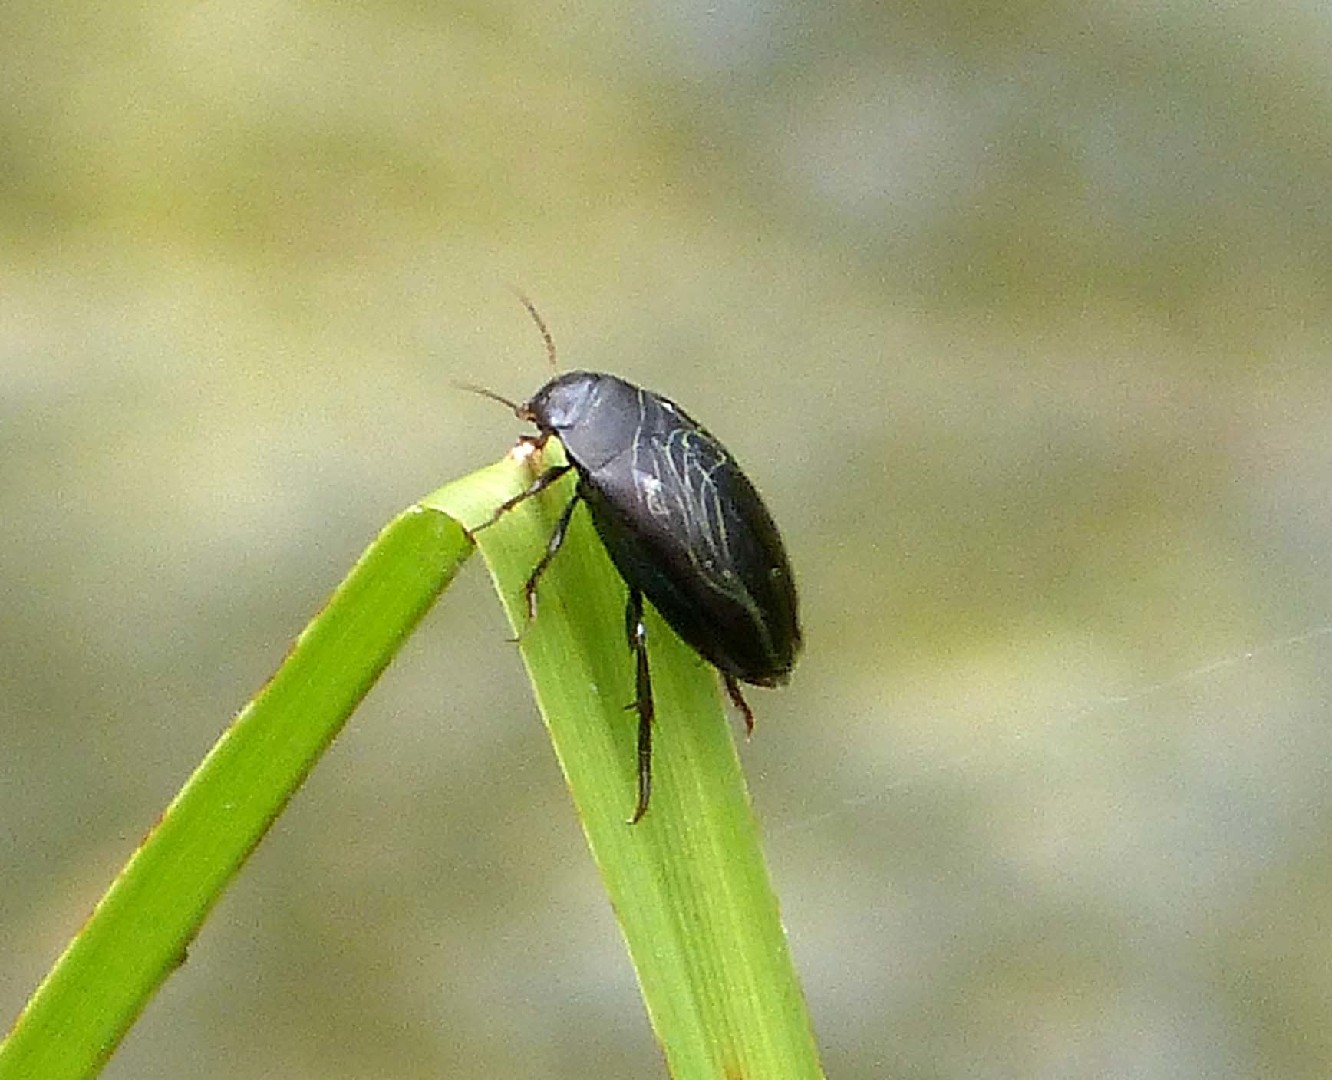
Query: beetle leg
pixel 637 634
pixel 738 700
pixel 552 546
pixel 536 487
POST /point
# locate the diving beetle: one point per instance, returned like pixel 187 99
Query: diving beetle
pixel 682 523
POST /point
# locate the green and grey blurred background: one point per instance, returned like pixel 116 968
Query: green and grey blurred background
pixel 1019 314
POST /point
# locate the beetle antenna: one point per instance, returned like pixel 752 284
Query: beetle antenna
pixel 473 389
pixel 541 325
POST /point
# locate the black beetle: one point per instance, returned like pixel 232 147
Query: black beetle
pixel 682 524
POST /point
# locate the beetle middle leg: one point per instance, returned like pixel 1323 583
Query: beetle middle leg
pixel 553 545
pixel 636 632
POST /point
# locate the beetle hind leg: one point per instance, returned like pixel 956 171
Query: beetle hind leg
pixel 738 700
pixel 636 632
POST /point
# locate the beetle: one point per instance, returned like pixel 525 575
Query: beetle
pixel 683 525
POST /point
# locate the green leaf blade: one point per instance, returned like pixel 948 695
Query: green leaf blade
pixel 688 883
pixel 141 929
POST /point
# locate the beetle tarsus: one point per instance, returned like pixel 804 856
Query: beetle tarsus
pixel 637 635
pixel 738 700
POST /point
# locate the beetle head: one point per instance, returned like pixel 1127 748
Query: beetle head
pixel 563 402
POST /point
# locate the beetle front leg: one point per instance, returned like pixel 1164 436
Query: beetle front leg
pixel 536 487
pixel 637 635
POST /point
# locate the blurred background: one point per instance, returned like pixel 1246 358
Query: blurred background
pixel 1019 315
